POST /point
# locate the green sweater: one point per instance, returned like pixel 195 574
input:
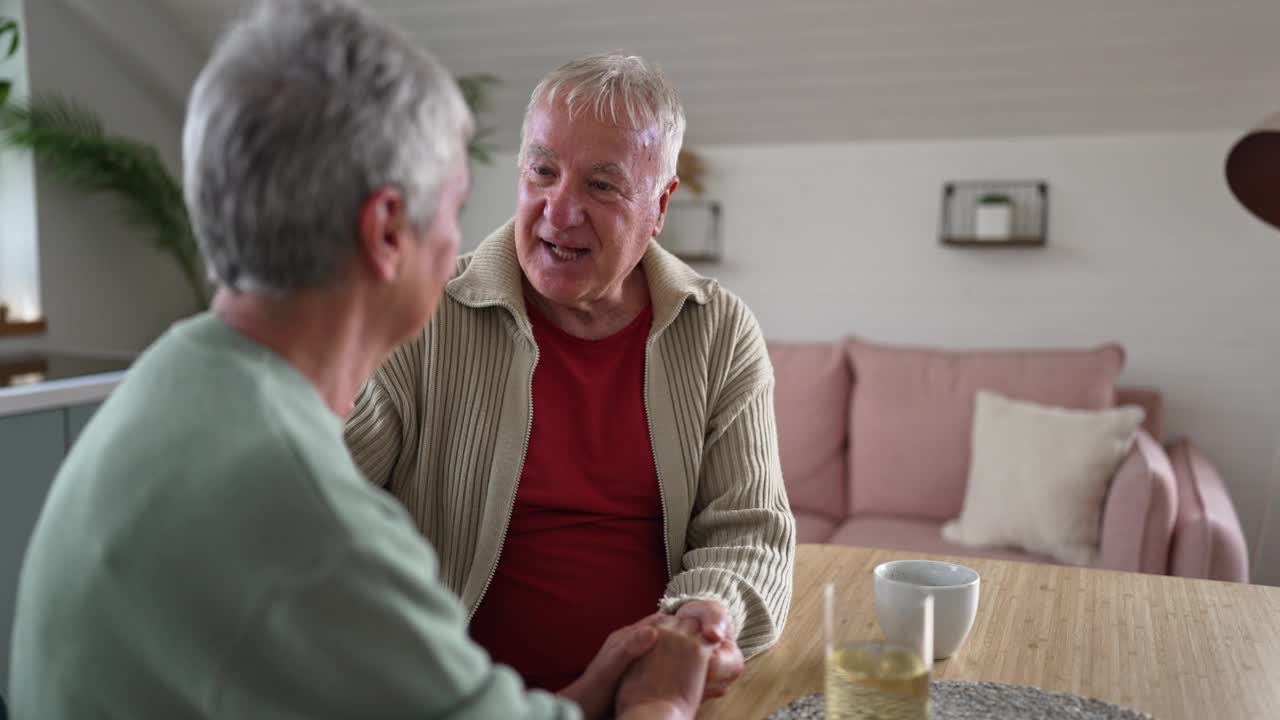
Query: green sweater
pixel 209 550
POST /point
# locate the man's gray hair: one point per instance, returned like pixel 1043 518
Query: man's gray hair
pixel 619 89
pixel 304 109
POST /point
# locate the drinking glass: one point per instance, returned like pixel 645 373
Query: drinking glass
pixel 873 679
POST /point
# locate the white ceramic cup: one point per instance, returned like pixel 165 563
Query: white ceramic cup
pixel 901 586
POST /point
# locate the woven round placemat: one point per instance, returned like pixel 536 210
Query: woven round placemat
pixel 964 700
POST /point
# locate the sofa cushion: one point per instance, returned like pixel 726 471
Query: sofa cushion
pixel 1207 540
pixel 1138 518
pixel 812 528
pixel 1039 476
pixel 912 415
pixel 811 401
pixel 1150 400
pixel 922 536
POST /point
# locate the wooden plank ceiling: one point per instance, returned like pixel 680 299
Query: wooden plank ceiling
pixel 773 71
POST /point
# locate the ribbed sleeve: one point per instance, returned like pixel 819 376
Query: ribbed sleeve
pixel 741 539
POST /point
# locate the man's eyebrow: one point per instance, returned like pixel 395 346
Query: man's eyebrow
pixel 609 168
pixel 543 151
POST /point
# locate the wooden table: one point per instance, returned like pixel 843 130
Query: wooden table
pixel 1172 647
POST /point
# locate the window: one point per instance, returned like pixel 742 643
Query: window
pixel 19 260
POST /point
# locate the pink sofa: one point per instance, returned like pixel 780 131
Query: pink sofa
pixel 874 443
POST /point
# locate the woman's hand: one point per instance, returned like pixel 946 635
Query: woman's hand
pixel 595 689
pixel 668 681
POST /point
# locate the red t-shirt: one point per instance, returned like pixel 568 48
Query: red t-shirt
pixel 585 552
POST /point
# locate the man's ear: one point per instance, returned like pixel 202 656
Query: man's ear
pixel 384 231
pixel 663 199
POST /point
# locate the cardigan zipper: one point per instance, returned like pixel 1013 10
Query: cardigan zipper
pixel 528 432
pixel 524 452
pixel 653 447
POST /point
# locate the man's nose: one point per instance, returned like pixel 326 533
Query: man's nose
pixel 564 208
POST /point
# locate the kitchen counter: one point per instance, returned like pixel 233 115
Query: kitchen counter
pixel 33 382
pixel 46 401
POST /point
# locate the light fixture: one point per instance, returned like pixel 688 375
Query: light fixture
pixel 1253 170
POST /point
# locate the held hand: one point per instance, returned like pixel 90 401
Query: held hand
pixel 712 617
pixel 668 681
pixel 595 690
pixel 726 662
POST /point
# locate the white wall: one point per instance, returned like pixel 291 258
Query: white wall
pixel 1146 247
pixel 104 289
pixel 19 263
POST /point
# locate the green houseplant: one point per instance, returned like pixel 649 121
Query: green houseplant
pixel 69 140
pixel 475 90
pixel 9 42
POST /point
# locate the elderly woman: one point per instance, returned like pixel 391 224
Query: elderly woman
pixel 585 430
pixel 209 549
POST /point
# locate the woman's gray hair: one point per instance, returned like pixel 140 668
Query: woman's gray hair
pixel 304 109
pixel 622 90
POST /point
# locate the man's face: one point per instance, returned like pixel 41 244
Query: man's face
pixel 588 202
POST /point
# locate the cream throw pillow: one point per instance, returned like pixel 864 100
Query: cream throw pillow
pixel 1039 476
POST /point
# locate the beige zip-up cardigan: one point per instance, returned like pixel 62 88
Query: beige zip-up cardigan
pixel 444 425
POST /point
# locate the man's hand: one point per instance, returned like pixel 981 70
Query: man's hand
pixel 726 662
pixel 668 681
pixel 594 691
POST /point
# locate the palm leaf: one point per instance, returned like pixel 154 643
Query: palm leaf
pixel 69 140
pixel 475 91
pixel 8 26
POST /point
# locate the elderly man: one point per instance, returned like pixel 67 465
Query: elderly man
pixel 209 549
pixel 586 428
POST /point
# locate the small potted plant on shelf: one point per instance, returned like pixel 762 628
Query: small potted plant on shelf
pixel 994 217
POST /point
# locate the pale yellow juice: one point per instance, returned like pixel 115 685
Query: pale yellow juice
pixel 867 681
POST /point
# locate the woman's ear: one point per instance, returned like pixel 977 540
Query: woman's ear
pixel 383 232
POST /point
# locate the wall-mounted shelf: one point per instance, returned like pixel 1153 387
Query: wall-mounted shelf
pixel 1025 204
pixel 1011 242
pixel 692 230
pixel 9 328
pixel 15 371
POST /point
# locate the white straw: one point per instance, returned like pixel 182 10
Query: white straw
pixel 829 600
pixel 927 640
